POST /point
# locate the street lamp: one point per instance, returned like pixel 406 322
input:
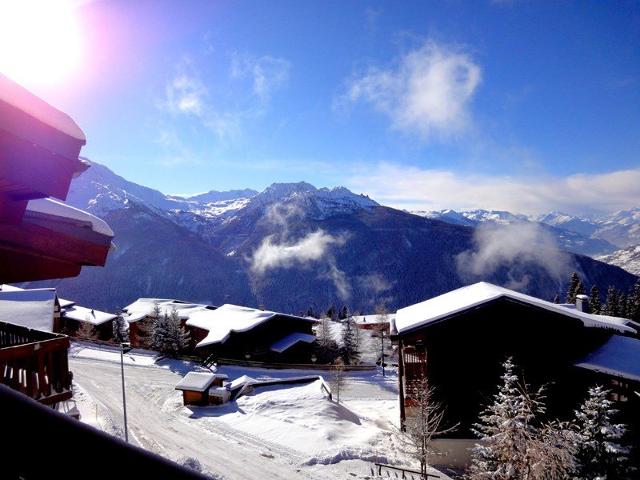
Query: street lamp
pixel 124 348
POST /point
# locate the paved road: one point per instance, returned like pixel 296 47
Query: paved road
pixel 156 426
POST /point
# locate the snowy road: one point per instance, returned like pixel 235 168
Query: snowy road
pixel 220 449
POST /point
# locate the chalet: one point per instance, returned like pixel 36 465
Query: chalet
pixel 374 321
pixel 42 309
pixel 203 388
pixel 236 332
pixel 141 314
pixel 42 238
pixel 460 339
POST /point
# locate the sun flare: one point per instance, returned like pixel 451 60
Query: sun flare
pixel 40 41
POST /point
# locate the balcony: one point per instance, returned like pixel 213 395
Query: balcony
pixel 35 363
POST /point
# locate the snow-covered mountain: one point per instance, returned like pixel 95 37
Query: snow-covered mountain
pixel 294 246
pixel 567 239
pixel 626 258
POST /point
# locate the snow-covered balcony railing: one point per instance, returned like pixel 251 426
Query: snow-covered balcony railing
pixel 35 363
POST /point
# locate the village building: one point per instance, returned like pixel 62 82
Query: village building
pixel 236 332
pixel 141 314
pixel 203 388
pixel 374 321
pixel 459 340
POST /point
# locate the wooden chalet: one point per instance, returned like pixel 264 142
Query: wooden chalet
pixel 245 333
pixel 196 388
pixel 141 314
pixel 40 238
pixel 459 340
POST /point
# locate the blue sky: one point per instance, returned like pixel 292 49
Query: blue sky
pixel 519 105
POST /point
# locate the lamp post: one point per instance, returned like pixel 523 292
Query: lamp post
pixel 124 348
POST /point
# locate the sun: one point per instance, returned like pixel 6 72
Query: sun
pixel 40 41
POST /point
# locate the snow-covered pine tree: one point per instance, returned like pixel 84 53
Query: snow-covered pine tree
pixel 611 307
pixel 120 332
pixel 594 300
pixel 350 353
pixel 600 454
pixel 178 339
pixel 160 336
pixel 509 432
pixel 575 288
pixel 326 345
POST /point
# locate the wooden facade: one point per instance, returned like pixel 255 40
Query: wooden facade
pixel 35 363
pixel 462 357
pixel 255 344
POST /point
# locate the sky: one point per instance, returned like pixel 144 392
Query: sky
pixel 519 105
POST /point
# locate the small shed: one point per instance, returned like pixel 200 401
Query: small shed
pixel 195 387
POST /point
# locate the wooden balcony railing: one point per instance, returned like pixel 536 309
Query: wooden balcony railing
pixel 35 363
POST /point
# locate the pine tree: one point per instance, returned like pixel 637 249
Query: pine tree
pixel 344 313
pixel 350 353
pixel 575 288
pixel 611 307
pixel 507 429
pixel 160 336
pixel 622 305
pixel 594 301
pixel 120 332
pixel 600 454
pixel 178 339
pixel 326 345
pixel 634 302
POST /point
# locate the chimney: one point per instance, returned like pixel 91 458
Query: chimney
pixel 582 303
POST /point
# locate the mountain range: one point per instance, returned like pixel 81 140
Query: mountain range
pixel 295 247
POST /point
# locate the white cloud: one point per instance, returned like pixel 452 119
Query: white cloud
pixel 413 188
pixel 267 73
pixel 428 92
pixel 312 247
pixel 498 247
pixel 187 93
pixel 281 251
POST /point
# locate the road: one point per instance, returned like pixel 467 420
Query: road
pixel 221 450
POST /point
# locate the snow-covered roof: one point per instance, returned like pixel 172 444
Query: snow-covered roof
pixel 290 340
pixel 89 315
pixel 28 308
pixel 374 318
pixel 49 206
pixel 20 98
pixel 196 381
pixel 143 307
pixel 465 298
pixel 619 356
pixel 229 318
pixel 65 303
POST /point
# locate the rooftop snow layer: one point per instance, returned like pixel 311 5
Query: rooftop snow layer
pixel 229 318
pixel 374 318
pixel 49 206
pixel 464 298
pixel 196 381
pixel 290 340
pixel 29 308
pixel 20 98
pixel 82 314
pixel 619 356
pixel 144 307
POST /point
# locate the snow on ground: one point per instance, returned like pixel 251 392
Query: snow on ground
pixel 276 432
